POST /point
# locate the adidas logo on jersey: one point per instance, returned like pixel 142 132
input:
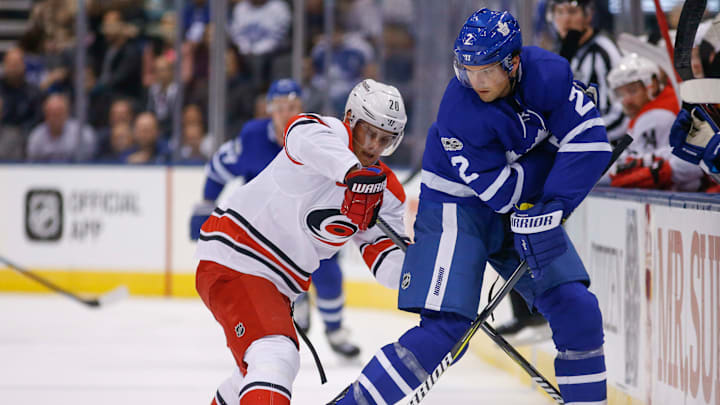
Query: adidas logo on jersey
pixel 451 144
pixel 368 188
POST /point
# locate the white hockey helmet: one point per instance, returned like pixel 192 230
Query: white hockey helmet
pixel 381 106
pixel 632 68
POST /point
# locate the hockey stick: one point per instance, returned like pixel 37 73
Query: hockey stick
pixel 108 298
pixel 480 320
pixel 690 17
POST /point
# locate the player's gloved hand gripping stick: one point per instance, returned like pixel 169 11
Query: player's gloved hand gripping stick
pixel 480 320
pixel 696 139
pixel 364 195
pixel 537 234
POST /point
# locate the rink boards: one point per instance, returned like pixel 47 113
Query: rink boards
pixel 653 257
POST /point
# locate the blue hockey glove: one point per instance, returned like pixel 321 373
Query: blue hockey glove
pixel 695 139
pixel 201 212
pixel 538 236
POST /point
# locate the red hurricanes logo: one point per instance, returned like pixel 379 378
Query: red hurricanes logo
pixel 329 226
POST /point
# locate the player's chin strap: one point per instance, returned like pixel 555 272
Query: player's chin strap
pixel 318 363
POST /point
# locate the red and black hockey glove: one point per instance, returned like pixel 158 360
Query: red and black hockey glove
pixel 364 196
pixel 635 173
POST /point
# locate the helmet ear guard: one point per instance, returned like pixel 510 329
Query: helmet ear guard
pixel 381 106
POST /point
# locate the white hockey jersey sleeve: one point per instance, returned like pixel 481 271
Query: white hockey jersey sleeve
pixel 383 258
pixel 320 143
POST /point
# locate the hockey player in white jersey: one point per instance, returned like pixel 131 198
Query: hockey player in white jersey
pixel 651 105
pixel 258 249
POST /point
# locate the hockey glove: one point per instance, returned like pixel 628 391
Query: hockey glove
pixel 201 212
pixel 539 238
pixel 636 173
pixel 695 138
pixel 364 196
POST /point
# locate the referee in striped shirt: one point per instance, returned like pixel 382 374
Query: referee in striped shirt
pixel 591 56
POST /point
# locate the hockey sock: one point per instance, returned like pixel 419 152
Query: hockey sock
pixel 327 280
pixel 576 322
pixel 398 368
pixel 227 393
pixel 273 362
pixel 581 376
pixel 257 394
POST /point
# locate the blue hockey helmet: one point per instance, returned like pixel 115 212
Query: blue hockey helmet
pixel 284 88
pixel 486 37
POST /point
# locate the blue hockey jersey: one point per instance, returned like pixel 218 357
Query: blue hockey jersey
pixel 546 141
pixel 246 155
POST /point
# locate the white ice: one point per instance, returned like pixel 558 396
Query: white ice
pixel 171 351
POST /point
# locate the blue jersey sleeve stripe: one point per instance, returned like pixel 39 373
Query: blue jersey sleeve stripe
pixel 219 169
pixel 586 147
pixel 495 186
pixel 435 182
pixel 582 127
pixel 518 188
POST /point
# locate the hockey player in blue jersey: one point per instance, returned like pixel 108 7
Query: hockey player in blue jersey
pixel 515 148
pixel 246 156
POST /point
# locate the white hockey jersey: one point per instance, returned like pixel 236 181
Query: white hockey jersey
pixel 283 222
pixel 651 137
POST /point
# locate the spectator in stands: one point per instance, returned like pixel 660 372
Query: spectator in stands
pixel 149 148
pixel 59 138
pixel 240 92
pixel 21 100
pixel 161 43
pixel 193 115
pixel 651 105
pixel 121 144
pixel 353 59
pixel 259 29
pixel 54 20
pixel 120 73
pixel 195 17
pixel 193 139
pixel 591 55
pixel 121 112
pixel 12 141
pixel 162 95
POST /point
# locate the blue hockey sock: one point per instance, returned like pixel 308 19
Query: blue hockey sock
pixel 327 280
pixel 576 321
pixel 398 368
pixel 581 376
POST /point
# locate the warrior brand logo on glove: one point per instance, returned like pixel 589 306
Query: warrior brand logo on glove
pixel 524 225
pixel 368 188
pixel 364 195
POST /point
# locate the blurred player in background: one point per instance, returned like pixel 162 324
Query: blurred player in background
pixel 591 55
pixel 260 247
pixel 651 104
pixel 246 156
pixel 517 145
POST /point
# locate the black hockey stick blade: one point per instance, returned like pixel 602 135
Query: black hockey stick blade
pixel 113 296
pixel 690 17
